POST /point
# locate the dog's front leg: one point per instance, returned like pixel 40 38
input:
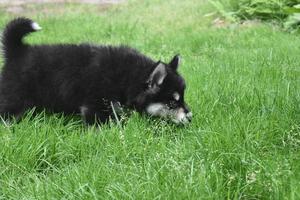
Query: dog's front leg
pixel 94 114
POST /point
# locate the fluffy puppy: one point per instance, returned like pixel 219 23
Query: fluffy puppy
pixel 86 79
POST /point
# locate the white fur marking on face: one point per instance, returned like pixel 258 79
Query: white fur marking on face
pixel 35 26
pixel 176 96
pixel 157 109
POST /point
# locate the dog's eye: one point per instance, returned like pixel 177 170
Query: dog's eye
pixel 172 104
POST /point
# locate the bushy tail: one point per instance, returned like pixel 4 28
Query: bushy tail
pixel 13 33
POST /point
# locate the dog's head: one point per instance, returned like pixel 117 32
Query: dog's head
pixel 164 93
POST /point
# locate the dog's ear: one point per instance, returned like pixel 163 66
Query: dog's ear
pixel 158 75
pixel 175 62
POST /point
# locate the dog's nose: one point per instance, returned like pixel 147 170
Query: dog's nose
pixel 189 116
pixel 186 108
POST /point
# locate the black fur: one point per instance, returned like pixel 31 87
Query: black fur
pixel 65 77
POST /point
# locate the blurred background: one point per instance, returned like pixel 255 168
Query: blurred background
pixel 18 7
pixel 286 13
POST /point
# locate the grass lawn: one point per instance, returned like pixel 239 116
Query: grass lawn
pixel 243 88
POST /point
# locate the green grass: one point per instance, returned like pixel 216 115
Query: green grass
pixel 243 89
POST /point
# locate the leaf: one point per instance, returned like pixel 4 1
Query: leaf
pixel 291 10
pixel 220 8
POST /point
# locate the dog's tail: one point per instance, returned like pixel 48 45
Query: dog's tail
pixel 13 34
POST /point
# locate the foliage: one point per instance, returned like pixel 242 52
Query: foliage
pixel 284 11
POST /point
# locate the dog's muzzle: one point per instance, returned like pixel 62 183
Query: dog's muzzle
pixel 182 117
pixel 179 115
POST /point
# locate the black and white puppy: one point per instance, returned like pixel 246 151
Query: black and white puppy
pixel 86 79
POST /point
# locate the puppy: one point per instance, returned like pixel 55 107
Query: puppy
pixel 86 79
